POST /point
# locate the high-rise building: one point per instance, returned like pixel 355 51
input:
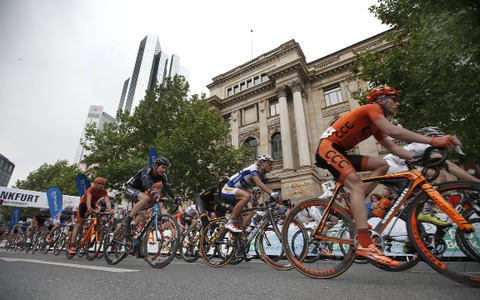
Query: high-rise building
pixel 6 170
pixel 152 66
pixel 96 116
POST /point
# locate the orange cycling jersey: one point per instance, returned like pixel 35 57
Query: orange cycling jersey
pixel 96 194
pixel 355 127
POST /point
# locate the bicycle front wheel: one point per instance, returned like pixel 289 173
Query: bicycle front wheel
pixel 115 246
pixel 437 246
pixel 320 255
pixel 190 250
pixel 160 241
pixel 93 245
pixel 270 245
pixel 217 244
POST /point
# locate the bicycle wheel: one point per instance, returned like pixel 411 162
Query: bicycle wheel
pixel 217 244
pixel 189 244
pixel 80 250
pixel 270 245
pixel 115 247
pixel 160 241
pixel 93 245
pixel 470 243
pixel 297 242
pixel 394 243
pixel 59 244
pixel 431 242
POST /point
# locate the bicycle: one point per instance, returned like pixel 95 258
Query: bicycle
pixel 415 191
pixel 157 241
pixel 90 240
pixel 63 239
pixel 220 246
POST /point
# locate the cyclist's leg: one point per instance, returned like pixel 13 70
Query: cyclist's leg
pixel 140 200
pixel 82 209
pixel 239 198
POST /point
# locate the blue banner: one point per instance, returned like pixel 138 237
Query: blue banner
pixel 82 183
pixel 55 201
pixel 152 154
pixel 14 218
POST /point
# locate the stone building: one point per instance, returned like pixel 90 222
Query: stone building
pixel 280 104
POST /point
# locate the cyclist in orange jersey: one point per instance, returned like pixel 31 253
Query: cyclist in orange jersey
pixel 353 128
pixel 89 200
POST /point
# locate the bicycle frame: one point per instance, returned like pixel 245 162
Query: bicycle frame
pixel 416 181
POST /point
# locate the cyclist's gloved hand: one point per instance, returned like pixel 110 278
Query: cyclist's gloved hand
pixel 446 141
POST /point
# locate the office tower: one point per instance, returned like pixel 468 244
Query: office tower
pixel 97 116
pixel 6 170
pixel 152 66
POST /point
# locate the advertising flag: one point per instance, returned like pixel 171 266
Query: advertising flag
pixel 82 183
pixel 55 201
pixel 152 154
pixel 14 218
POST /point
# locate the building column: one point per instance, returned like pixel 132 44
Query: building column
pixel 301 125
pixel 234 126
pixel 287 148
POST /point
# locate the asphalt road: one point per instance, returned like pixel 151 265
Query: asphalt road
pixel 39 276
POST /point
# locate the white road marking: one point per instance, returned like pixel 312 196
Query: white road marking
pixel 97 268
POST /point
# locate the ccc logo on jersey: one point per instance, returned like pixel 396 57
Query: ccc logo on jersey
pixel 343 130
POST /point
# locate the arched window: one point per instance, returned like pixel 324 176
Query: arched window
pixel 277 146
pixel 252 143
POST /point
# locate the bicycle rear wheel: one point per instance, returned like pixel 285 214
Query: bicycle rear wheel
pixel 431 242
pixel 299 244
pixel 115 247
pixel 160 241
pixel 217 244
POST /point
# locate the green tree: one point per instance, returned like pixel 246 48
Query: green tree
pixel 61 175
pixel 434 62
pixel 186 130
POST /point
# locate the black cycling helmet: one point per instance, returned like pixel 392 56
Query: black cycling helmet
pixel 162 161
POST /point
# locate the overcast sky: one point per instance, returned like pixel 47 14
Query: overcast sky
pixel 58 57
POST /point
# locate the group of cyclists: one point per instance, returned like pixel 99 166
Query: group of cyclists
pixel 243 189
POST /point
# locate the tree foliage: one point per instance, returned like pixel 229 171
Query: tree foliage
pixel 61 175
pixel 434 62
pixel 186 130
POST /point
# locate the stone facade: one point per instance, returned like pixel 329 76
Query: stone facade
pixel 280 93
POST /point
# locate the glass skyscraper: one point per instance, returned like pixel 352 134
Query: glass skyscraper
pixel 152 66
pixel 96 116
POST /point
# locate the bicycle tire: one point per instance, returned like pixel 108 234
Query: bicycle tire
pixel 160 241
pixel 80 250
pixel 59 244
pixel 190 245
pixel 93 245
pixel 296 252
pixel 469 243
pixel 217 244
pixel 270 246
pixel 454 264
pixel 115 246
